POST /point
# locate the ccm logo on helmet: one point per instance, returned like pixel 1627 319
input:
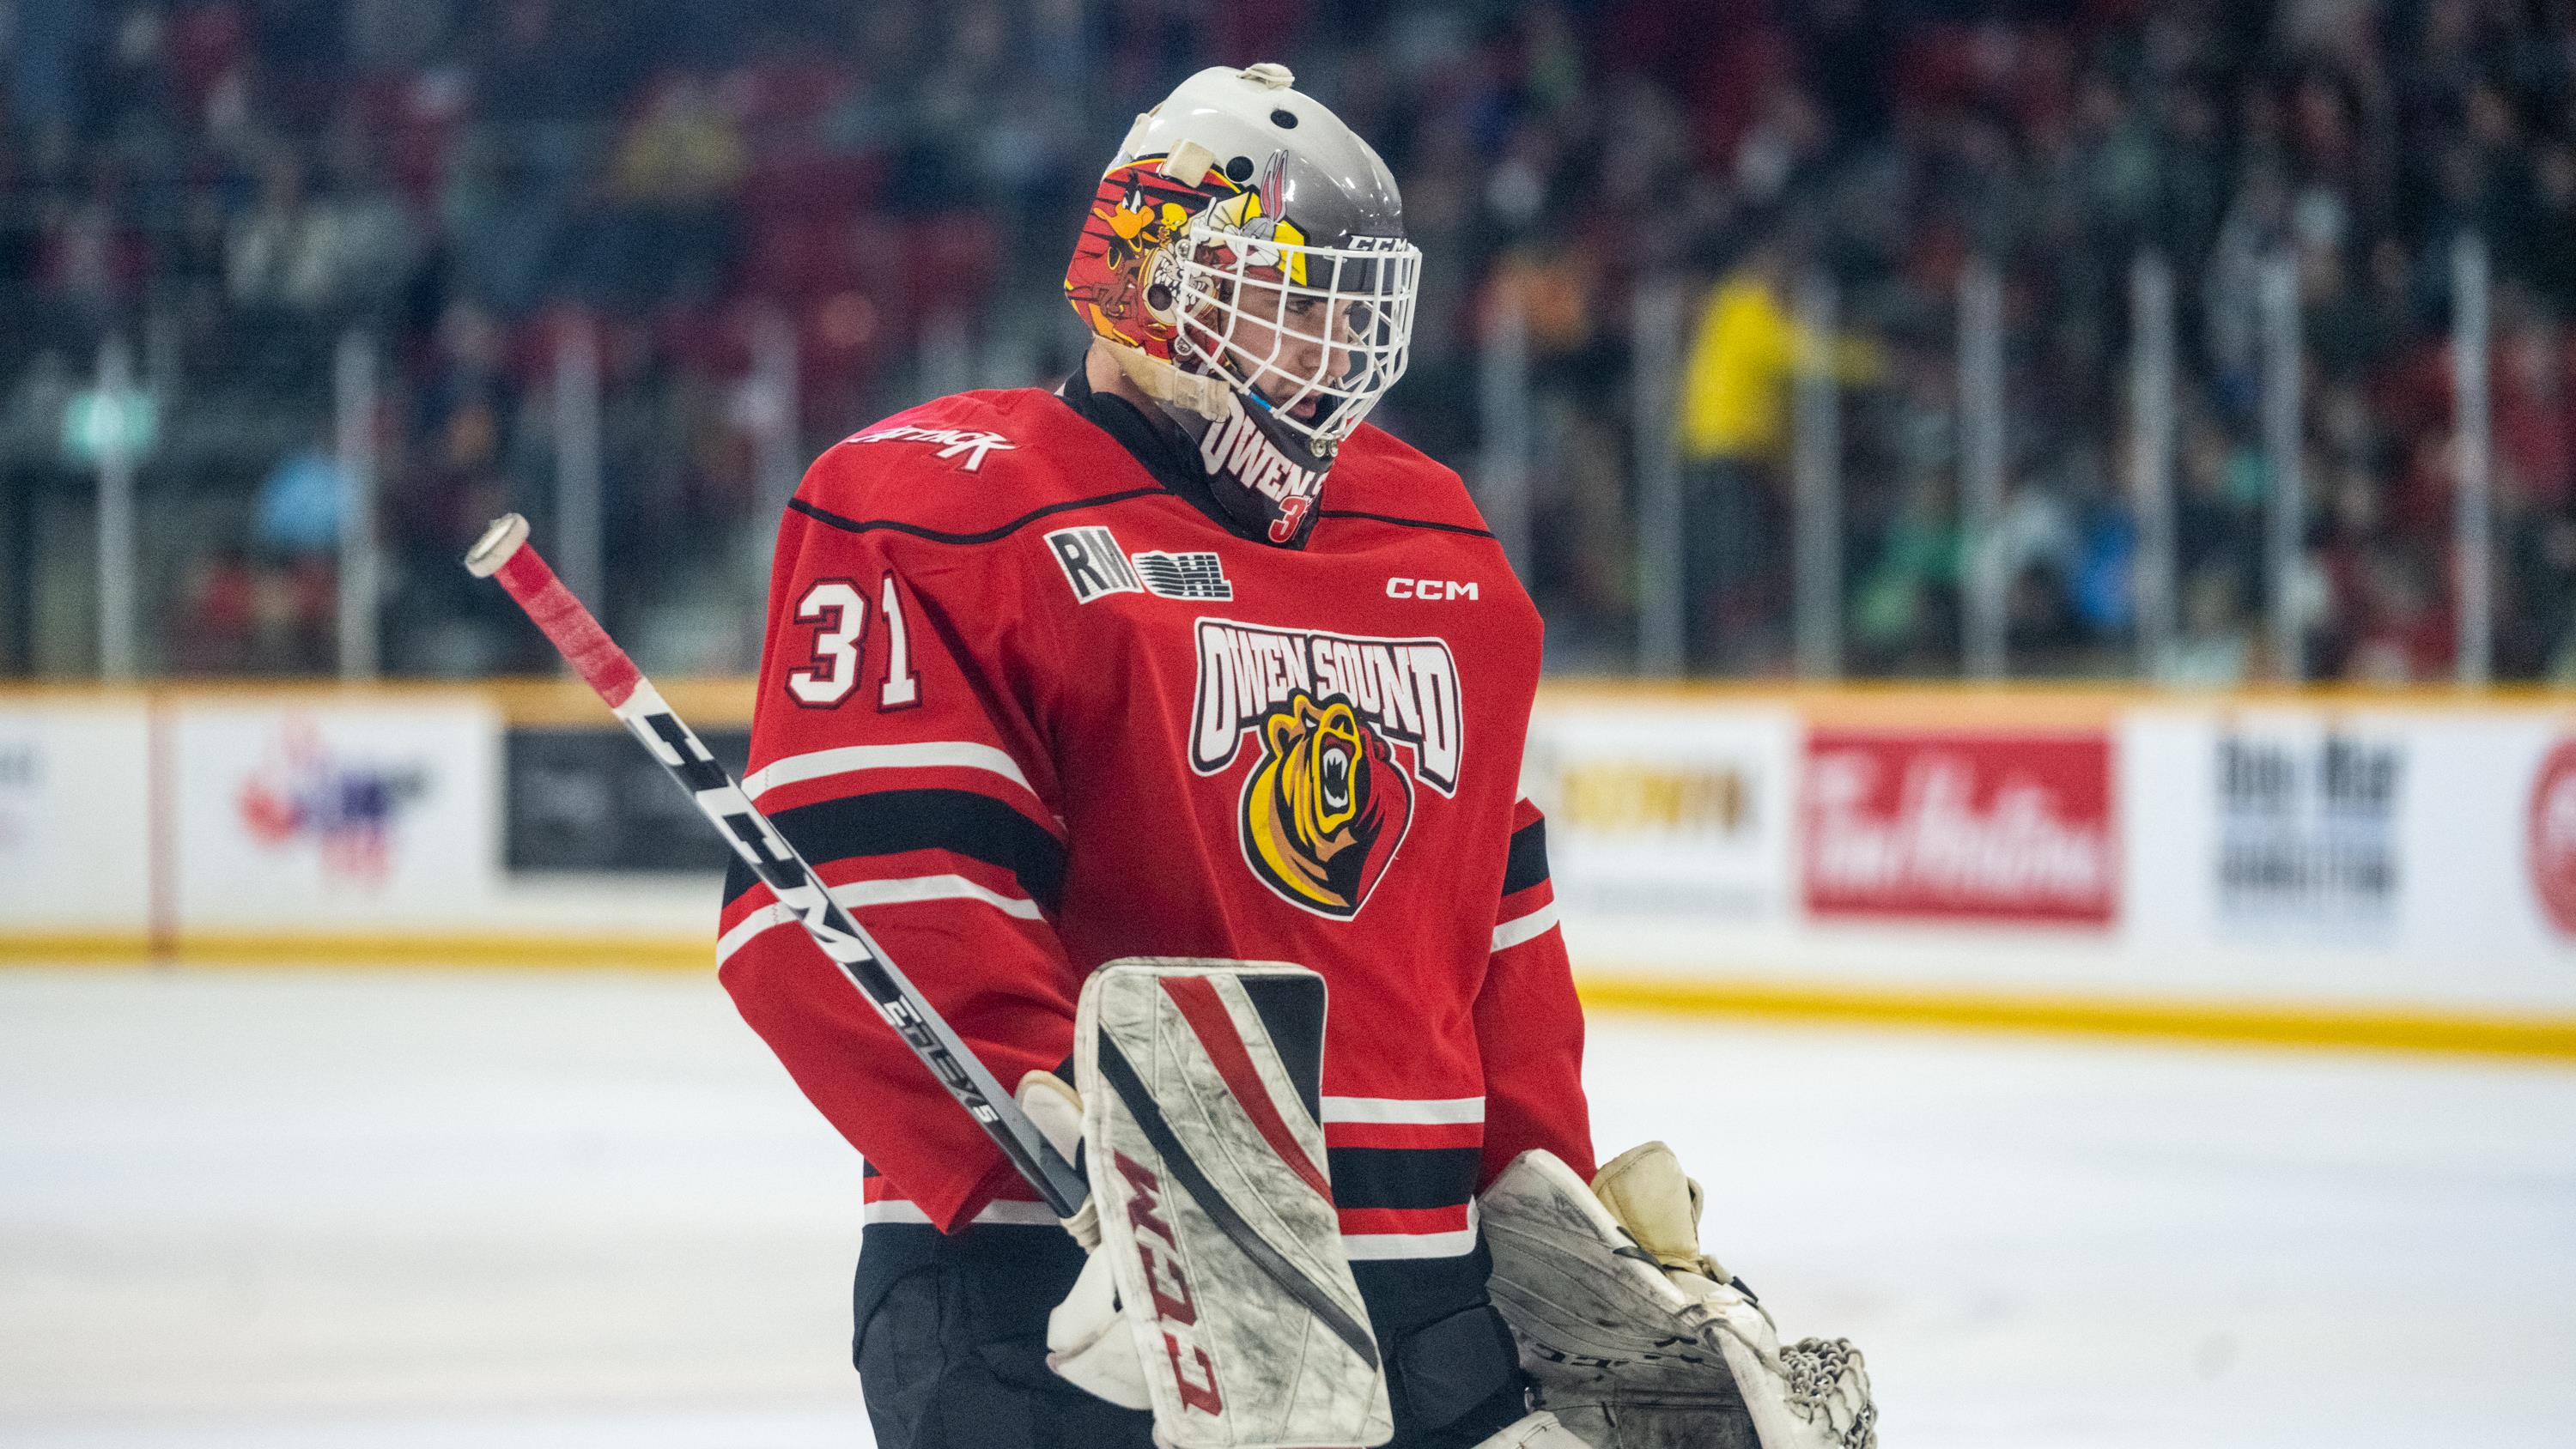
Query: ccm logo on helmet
pixel 1433 589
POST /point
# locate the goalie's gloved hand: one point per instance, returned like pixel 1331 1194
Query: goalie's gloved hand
pixel 1646 1190
pixel 1088 1342
pixel 1607 1289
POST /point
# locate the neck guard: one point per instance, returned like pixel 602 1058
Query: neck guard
pixel 1263 476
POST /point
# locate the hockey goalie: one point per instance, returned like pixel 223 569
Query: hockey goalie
pixel 1166 728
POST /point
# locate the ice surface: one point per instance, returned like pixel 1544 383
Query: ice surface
pixel 397 1210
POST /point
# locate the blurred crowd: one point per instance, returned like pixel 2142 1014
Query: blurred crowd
pixel 1885 148
pixel 883 196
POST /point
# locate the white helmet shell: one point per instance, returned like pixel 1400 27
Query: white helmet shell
pixel 1245 255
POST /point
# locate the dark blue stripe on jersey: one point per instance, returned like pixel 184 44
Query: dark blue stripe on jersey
pixel 889 822
pixel 1395 1177
pixel 1403 522
pixel 1527 864
pixel 1291 1009
pixel 1404 1177
pixel 989 535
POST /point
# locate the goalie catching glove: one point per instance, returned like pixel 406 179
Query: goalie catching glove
pixel 1216 1294
pixel 1638 1340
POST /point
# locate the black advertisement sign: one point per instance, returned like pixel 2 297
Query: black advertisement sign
pixel 590 799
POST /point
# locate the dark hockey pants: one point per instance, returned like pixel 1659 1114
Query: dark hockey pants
pixel 949 1358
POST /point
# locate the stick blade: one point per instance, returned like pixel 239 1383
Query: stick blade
pixel 504 538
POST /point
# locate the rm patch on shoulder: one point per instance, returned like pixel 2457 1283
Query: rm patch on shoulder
pixel 1093 562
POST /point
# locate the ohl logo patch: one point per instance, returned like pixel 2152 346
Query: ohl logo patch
pixel 1329 800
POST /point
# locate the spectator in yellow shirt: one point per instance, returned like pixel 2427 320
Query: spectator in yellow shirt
pixel 1733 428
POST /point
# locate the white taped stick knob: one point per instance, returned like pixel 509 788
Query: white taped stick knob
pixel 496 545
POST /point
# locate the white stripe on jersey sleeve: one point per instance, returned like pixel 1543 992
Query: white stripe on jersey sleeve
pixel 1525 928
pixel 749 926
pixel 900 891
pixel 1014 1214
pixel 1401 1111
pixel 850 759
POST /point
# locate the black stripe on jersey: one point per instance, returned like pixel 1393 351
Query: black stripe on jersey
pixel 1025 1270
pixel 889 822
pixel 1404 522
pixel 1291 1009
pixel 1527 864
pixel 935 535
pixel 1403 1177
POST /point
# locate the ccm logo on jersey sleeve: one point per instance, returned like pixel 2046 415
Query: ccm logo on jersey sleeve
pixel 1328 801
pixel 1430 589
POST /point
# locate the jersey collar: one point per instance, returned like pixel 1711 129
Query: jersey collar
pixel 1159 447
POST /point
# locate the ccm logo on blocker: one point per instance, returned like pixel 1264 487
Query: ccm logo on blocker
pixel 1433 589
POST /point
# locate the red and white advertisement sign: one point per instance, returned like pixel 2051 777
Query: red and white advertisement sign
pixel 1963 826
pixel 383 815
pixel 2552 837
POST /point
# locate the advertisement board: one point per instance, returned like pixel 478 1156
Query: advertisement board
pixel 2371 853
pixel 2310 836
pixel 74 818
pixel 377 815
pixel 584 798
pixel 1666 811
pixel 2549 839
pixel 1960 826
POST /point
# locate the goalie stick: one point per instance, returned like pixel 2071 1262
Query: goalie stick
pixel 504 555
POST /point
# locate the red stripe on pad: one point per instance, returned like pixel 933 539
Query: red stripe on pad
pixel 568 626
pixel 1205 1011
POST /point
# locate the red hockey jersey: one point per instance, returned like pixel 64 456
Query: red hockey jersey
pixel 1028 707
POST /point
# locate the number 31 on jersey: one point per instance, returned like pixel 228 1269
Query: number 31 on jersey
pixel 838 606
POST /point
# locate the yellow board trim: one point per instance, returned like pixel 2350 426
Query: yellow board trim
pixel 367 949
pixel 75 948
pixel 2301 1024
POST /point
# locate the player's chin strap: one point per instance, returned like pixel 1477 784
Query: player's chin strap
pixel 1266 478
pixel 1194 392
pixel 1639 1340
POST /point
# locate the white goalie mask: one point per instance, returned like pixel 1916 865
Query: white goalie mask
pixel 1245 260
